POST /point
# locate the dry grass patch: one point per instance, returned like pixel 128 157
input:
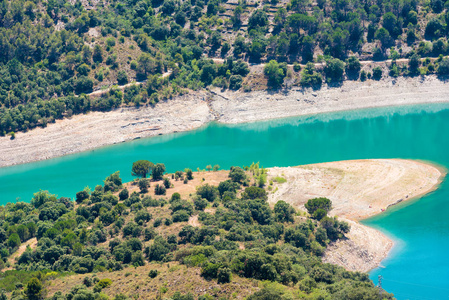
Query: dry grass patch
pixel 172 277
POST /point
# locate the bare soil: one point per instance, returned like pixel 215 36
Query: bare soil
pixel 358 189
pixel 188 112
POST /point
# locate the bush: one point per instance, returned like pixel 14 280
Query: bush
pixel 153 273
pixel 144 184
pixel 207 192
pixel 309 76
pixel 81 196
pixel 122 77
pixel 334 70
pixel 200 203
pixel 315 204
pixel 189 174
pixel 104 283
pixel 353 67
pixel 443 67
pixel 181 216
pixel 160 189
pixel 275 73
pixel 235 82
pixel 237 174
pixel 363 76
pixel 224 275
pixel 87 281
pixel 124 194
pixel 157 222
pixel 377 73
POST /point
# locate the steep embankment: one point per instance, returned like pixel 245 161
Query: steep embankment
pixel 85 132
pixel 358 189
pixel 96 129
pixel 262 105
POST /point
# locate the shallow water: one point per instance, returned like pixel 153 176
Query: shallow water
pixel 418 268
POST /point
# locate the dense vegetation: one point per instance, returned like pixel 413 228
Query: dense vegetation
pixel 240 235
pixel 54 51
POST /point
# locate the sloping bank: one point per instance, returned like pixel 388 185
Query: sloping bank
pixel 358 190
pixel 96 129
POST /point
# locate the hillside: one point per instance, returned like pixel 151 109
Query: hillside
pixel 55 53
pixel 188 235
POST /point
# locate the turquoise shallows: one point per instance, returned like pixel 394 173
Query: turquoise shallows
pixel 418 267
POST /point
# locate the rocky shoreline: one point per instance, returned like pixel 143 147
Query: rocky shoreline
pixel 358 189
pixel 188 112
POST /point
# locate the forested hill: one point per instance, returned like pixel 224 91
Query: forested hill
pixel 182 236
pixel 53 52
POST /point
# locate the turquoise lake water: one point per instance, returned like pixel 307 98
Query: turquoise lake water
pixel 418 267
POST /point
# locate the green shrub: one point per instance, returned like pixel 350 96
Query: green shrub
pixel 153 273
pixel 160 189
pixel 104 283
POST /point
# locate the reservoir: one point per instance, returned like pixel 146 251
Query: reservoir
pixel 417 268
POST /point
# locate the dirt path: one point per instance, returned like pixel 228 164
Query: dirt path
pixel 12 259
pixel 122 87
pixel 358 189
pixel 193 221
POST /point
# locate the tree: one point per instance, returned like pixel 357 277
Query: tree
pixel 122 78
pixel 14 240
pixel 82 195
pixel 124 194
pixel 144 185
pixel 413 64
pixel 189 173
pixel 434 29
pixel 334 70
pixel 377 73
pixel 353 67
pixel 283 212
pixel 167 182
pixel 237 174
pixel 208 192
pixel 200 203
pixel 235 82
pixel 159 189
pixel 314 204
pixel 384 37
pixel 158 172
pixel 258 19
pixel 98 54
pixel 309 76
pixel 389 23
pixel 34 289
pixel 224 275
pixel 83 85
pixel 443 67
pixel 275 73
pixel 141 168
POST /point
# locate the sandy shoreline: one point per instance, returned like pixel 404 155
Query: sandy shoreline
pixel 359 189
pixel 188 112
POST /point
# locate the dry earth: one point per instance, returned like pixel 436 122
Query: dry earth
pixel 238 107
pixel 96 129
pixel 172 277
pixel 358 189
pixel 32 243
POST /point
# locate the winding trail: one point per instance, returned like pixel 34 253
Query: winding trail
pixel 32 243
